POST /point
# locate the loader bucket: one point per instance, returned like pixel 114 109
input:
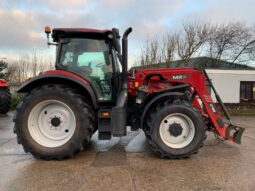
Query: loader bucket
pixel 234 133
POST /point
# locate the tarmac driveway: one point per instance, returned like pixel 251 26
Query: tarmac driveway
pixel 128 164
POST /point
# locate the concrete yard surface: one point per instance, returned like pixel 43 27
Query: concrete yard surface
pixel 128 163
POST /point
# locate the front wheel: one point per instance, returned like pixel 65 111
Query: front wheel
pixel 175 130
pixel 53 122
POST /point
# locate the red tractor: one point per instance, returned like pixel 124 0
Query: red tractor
pixel 5 97
pixel 91 89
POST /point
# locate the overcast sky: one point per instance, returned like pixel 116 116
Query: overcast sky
pixel 22 21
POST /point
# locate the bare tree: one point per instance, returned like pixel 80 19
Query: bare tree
pixel 29 65
pixel 158 51
pixel 168 48
pixel 150 54
pixel 194 36
pixel 34 64
pixel 232 42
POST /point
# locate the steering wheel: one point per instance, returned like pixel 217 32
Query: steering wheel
pixel 86 69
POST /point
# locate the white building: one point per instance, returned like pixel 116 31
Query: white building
pixel 233 86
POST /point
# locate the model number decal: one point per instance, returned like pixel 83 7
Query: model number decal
pixel 179 77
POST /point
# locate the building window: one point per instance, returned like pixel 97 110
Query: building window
pixel 247 91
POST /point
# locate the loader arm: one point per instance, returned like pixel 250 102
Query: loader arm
pixel 227 131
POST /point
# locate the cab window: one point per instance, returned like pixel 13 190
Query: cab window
pixel 90 59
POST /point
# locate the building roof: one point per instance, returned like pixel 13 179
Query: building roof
pixel 202 63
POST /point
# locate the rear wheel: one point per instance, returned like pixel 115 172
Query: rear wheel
pixel 53 122
pixel 175 130
pixel 5 100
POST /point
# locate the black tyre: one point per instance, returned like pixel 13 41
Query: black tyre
pixel 53 122
pixel 176 130
pixel 5 100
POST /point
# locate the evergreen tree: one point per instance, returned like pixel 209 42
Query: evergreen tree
pixel 3 69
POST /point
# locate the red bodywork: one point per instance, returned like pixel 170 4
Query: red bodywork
pixel 3 83
pixel 202 101
pixel 66 73
pixel 176 76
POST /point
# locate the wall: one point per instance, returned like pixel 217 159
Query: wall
pixel 227 83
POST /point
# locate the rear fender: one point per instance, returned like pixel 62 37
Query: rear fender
pixel 71 80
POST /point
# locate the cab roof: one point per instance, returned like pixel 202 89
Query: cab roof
pixel 58 33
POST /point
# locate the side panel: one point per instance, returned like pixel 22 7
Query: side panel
pixel 172 77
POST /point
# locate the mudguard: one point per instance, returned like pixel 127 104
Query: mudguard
pixel 60 77
pixel 155 100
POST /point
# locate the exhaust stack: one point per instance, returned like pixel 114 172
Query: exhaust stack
pixel 118 118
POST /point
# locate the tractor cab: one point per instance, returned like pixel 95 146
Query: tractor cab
pixel 92 54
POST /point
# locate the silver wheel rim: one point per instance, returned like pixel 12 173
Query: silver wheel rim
pixel 51 123
pixel 184 138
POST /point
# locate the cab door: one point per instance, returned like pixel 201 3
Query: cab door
pixel 90 59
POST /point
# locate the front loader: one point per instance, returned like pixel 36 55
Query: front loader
pixel 92 90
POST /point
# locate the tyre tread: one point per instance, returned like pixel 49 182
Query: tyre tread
pixel 149 126
pixel 76 145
